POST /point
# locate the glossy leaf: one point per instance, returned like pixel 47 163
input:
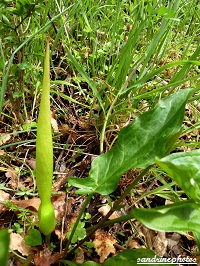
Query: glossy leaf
pixel 132 257
pixel 137 145
pixel 33 238
pixel 90 263
pixel 182 216
pixel 184 168
pixel 4 246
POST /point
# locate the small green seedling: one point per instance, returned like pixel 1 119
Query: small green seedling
pixel 44 155
pixel 33 238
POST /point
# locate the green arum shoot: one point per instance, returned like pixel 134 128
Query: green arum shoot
pixel 44 155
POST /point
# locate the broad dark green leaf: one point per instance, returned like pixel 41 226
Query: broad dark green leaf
pixel 33 238
pixel 184 168
pixel 132 257
pixel 90 263
pixel 137 145
pixel 182 216
pixel 4 246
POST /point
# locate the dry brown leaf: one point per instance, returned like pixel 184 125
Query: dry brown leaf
pixel 134 243
pixel 2 152
pixel 105 209
pixel 13 178
pixel 44 258
pixel 155 240
pixel 176 244
pixel 3 198
pixel 59 203
pixel 160 244
pixel 4 138
pixel 17 243
pixel 11 173
pixel 197 259
pixel 104 244
pixel 60 234
pixel 32 163
pixel 80 258
pixel 34 203
pixel 64 129
pixel 54 123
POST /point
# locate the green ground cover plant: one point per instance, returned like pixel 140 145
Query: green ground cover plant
pixel 131 70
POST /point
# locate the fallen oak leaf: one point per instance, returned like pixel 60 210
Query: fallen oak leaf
pixel 45 257
pixel 104 244
pixel 59 203
pixel 34 203
pixel 17 243
pixel 12 175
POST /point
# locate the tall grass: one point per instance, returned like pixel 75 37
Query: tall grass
pixel 125 51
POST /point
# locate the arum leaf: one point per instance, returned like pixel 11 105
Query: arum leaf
pixel 90 263
pixel 132 257
pixel 184 168
pixel 182 216
pixel 137 145
pixel 4 246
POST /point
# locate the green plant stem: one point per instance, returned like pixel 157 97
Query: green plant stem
pixel 48 239
pixel 28 260
pixel 116 205
pixel 76 224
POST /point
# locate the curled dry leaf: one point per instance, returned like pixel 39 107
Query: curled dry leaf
pixel 12 175
pixel 175 244
pixel 34 203
pixel 2 152
pixel 160 244
pixel 17 243
pixel 105 209
pixel 31 162
pixel 134 243
pixel 155 240
pixel 54 123
pixel 4 138
pixel 3 198
pixel 104 244
pixel 45 258
pixel 59 203
pixel 64 129
pixel 80 258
